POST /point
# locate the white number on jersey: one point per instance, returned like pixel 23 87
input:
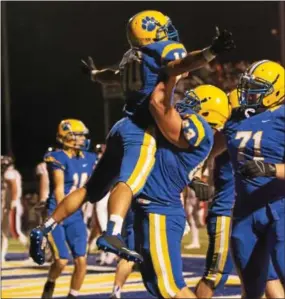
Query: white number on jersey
pixel 78 183
pixel 245 136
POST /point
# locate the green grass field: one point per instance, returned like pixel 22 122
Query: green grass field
pixel 16 246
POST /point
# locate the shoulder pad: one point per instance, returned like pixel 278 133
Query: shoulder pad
pixel 57 158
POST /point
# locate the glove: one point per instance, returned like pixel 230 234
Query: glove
pixel 88 66
pixel 222 42
pixel 202 189
pixel 254 168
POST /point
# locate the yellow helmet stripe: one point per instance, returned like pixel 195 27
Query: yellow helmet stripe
pixel 255 65
pixel 171 47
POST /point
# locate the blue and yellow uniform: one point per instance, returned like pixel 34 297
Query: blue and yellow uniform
pixel 72 230
pixel 218 260
pixel 258 215
pixel 131 143
pixel 160 217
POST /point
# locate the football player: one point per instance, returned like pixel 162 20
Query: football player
pixel 184 143
pixel 68 167
pixel 155 54
pixel 11 195
pixel 42 174
pixel 256 133
pixel 43 188
pixel 218 260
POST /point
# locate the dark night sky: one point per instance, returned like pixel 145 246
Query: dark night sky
pixel 46 41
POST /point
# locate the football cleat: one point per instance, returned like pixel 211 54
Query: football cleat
pixel 38 242
pixel 116 244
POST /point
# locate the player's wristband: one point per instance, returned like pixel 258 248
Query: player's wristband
pixel 208 54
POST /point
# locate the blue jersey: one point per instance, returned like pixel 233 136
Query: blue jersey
pixel 76 172
pixel 261 136
pixel 175 167
pixel 141 70
pixel 223 178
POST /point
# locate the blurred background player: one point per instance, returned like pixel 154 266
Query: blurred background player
pixel 43 179
pixel 68 168
pixel 191 206
pixel 12 208
pixel 43 187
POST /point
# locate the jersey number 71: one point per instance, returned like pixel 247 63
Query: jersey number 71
pixel 245 137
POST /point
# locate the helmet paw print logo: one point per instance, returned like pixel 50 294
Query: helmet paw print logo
pixel 148 23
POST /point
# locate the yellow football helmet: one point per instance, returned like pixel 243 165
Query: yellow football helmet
pixel 211 103
pixel 72 134
pixel 148 27
pixel 262 85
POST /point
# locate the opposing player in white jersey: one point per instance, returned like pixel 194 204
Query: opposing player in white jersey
pixel 191 203
pixel 42 175
pixel 12 209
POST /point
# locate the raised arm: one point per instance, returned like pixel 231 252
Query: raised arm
pixel 104 76
pixel 194 60
pixel 166 117
pixel 181 131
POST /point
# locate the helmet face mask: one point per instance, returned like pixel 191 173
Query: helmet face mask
pixel 262 85
pixel 208 101
pixel 251 90
pixel 168 30
pixel 190 101
pixel 75 140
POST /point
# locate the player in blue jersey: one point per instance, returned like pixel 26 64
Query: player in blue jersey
pixel 155 54
pixel 218 260
pixel 184 143
pixel 256 131
pixel 68 169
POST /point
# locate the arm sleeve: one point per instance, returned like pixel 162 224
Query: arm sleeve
pixel 193 129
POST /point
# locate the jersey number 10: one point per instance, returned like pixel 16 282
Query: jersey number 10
pixel 133 71
pixel 78 183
